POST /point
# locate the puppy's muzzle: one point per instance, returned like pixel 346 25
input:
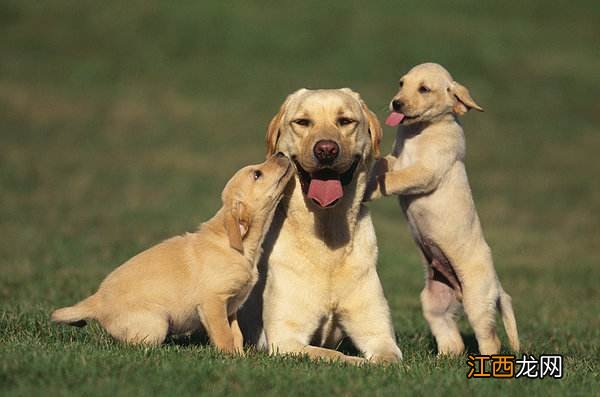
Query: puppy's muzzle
pixel 397 105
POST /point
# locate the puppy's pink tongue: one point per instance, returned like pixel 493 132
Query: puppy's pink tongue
pixel 325 192
pixel 394 119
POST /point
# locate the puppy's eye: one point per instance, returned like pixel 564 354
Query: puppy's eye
pixel 424 90
pixel 302 122
pixel 345 121
pixel 257 174
pixel 401 83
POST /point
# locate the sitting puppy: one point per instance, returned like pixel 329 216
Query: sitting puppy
pixel 198 278
pixel 427 172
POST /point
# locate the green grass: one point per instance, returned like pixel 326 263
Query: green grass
pixel 121 121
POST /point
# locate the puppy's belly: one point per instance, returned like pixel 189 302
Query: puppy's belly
pixel 445 226
pixel 424 219
pixel 445 216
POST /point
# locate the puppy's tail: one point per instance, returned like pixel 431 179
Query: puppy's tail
pixel 508 318
pixel 77 314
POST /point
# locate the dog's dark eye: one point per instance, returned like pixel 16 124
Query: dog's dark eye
pixel 401 83
pixel 345 121
pixel 302 122
pixel 257 174
pixel 424 90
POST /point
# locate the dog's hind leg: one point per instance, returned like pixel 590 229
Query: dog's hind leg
pixel 480 297
pixel 439 303
pixel 440 299
pixel 138 327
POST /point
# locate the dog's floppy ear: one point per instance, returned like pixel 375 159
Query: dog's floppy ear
pixel 273 131
pixel 275 125
pixel 463 101
pixel 375 130
pixel 237 223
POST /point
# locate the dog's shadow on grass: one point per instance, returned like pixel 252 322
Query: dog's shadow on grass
pixel 201 339
pixel 471 346
pixel 345 346
pixel 195 339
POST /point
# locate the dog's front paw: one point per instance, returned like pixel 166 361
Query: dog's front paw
pixel 373 190
pixel 389 358
pixel 356 360
pixel 386 355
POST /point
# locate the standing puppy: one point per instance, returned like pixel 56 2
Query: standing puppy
pixel 197 279
pixel 427 172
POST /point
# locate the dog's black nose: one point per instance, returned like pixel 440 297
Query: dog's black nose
pixel 326 151
pixel 280 154
pixel 397 105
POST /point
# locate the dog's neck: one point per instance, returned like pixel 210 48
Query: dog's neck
pixel 410 130
pixel 251 242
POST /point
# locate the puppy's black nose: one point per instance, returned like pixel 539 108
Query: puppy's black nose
pixel 326 151
pixel 280 154
pixel 397 105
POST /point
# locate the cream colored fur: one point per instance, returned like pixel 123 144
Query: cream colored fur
pixel 321 262
pixel 199 279
pixel 426 170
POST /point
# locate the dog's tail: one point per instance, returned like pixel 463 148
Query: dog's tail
pixel 508 318
pixel 77 314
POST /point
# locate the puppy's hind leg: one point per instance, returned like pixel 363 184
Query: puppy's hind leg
pixel 480 297
pixel 440 305
pixel 440 299
pixel 138 328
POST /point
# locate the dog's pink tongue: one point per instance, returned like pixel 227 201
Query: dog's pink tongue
pixel 325 192
pixel 394 119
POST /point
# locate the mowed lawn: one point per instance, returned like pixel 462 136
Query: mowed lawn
pixel 120 122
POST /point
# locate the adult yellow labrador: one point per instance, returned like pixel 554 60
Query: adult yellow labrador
pixel 320 253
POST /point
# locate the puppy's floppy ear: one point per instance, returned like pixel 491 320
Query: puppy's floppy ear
pixel 237 223
pixel 276 124
pixel 464 102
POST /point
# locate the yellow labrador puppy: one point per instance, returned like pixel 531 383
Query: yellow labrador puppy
pixel 321 251
pixel 427 171
pixel 197 279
